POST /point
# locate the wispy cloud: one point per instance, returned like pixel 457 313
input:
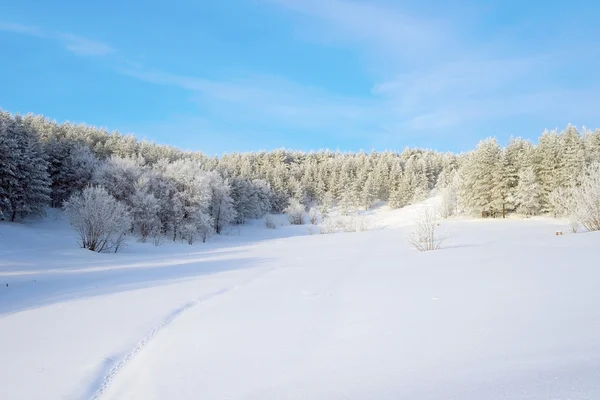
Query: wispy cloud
pixel 19 28
pixel 376 27
pixel 74 43
pixel 273 100
pixel 84 46
pixel 435 73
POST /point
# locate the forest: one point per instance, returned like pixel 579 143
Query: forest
pixel 160 192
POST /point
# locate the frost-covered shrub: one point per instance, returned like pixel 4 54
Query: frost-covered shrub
pixel 100 220
pixel 586 199
pixel 313 230
pixel 329 226
pixel 270 221
pixel 295 212
pixel 425 236
pixel 349 224
pixel 314 214
pixel 363 223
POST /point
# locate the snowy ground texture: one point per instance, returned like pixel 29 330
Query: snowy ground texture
pixel 506 310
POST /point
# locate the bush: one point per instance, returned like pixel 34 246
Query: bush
pixel 270 221
pixel 425 236
pixel 314 214
pixel 329 226
pixel 295 212
pixel 363 223
pixel 100 220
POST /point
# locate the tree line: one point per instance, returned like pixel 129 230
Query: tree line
pixel 167 192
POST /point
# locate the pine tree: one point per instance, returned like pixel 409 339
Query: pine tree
pixel 24 180
pixel 548 163
pixel 528 193
pixel 369 192
pixel 479 190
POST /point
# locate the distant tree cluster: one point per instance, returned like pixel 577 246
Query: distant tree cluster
pixel 169 193
pixel 523 177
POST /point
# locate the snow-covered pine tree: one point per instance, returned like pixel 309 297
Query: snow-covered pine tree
pixel 548 163
pixel 592 145
pixel 573 156
pixel 478 187
pixel 369 192
pixel 528 193
pixel 23 176
pixel 505 180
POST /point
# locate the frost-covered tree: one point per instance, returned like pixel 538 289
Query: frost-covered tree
pixel 220 203
pixel 573 156
pixel 548 164
pixel 100 220
pixel 145 209
pixel 449 193
pixel 346 203
pixel 118 176
pixel 586 199
pixel 71 166
pixel 479 188
pixel 199 225
pixel 528 193
pixel 369 192
pixel 192 193
pixel 24 180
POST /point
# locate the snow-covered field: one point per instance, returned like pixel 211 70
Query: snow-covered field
pixel 506 310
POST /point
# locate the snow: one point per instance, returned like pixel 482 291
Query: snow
pixel 505 310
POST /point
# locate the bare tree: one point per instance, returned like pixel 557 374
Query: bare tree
pixel 425 236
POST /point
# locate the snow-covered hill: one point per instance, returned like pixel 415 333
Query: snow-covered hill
pixel 506 310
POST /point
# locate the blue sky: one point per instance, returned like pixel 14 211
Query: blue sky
pixel 243 75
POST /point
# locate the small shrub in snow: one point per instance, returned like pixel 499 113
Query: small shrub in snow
pixel 425 236
pixel 363 223
pixel 329 226
pixel 270 221
pixel 100 220
pixel 349 224
pixel 314 214
pixel 295 212
pixel 313 230
pixel 574 225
